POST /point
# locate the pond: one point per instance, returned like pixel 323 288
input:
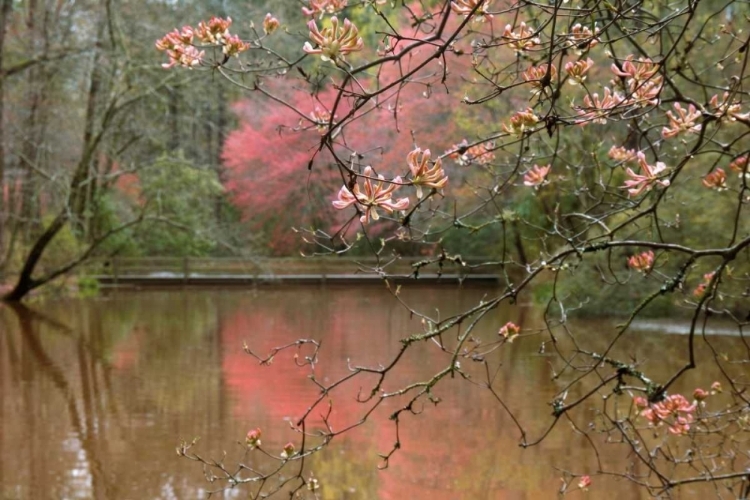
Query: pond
pixel 95 394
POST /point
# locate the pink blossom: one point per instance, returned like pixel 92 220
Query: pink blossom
pixel 642 262
pixel 465 7
pixel 322 118
pixel 638 183
pixel 270 24
pixel 322 7
pixel 699 394
pixel 521 40
pixel 422 174
pixel 581 37
pixel 727 109
pixel 233 46
pixel 214 31
pixel 585 482
pixel 597 110
pixel 716 180
pixel 373 196
pixel 683 122
pixel 509 331
pixel 716 387
pixel 577 70
pixel 674 410
pixel 621 154
pixel 178 48
pixel 253 438
pixel 334 42
pixel 535 74
pixel 640 70
pixel 739 165
pixel 640 402
pixel 537 176
pixel 479 153
pixel 288 451
pixel 520 122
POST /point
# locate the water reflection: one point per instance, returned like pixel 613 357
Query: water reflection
pixel 95 394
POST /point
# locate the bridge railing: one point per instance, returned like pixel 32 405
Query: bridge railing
pixel 189 267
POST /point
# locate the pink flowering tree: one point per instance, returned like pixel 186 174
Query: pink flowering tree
pixel 583 136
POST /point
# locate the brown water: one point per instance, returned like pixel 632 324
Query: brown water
pixel 95 395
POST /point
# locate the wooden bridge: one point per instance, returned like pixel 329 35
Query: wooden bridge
pixel 171 271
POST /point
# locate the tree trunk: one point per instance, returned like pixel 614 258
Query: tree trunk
pixel 5 12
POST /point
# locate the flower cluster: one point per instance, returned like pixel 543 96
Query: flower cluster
pixel 739 165
pixel 716 180
pixel 464 154
pixel 597 109
pixel 676 411
pixel 421 172
pixel 622 155
pixel 577 70
pixel 521 40
pixel 639 183
pixel 253 438
pixel 641 80
pixel 270 24
pixel 701 289
pixel 179 48
pixel 520 122
pixel 334 42
pixel 509 331
pixel 727 109
pixel 537 176
pixel 684 121
pixel 179 44
pixel 288 451
pixel 581 37
pixel 322 7
pixel 322 118
pixel 466 7
pixel 374 195
pixel 535 74
pixel 642 262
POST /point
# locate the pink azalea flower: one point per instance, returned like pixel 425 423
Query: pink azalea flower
pixel 640 402
pixel 739 165
pixel 581 37
pixel 422 174
pixel 521 40
pixel 640 70
pixel 674 410
pixel 334 42
pixel 699 394
pixel 465 7
pixel 716 180
pixel 288 451
pixel 585 482
pixel 479 153
pixel 577 70
pixel 520 122
pixel 537 176
pixel 642 262
pixel 373 196
pixel 534 75
pixel 253 438
pixel 716 387
pixel 270 24
pixel 509 331
pixel 727 109
pixel 233 46
pixel 683 122
pixel 638 183
pixel 214 31
pixel 322 7
pixel 597 110
pixel 621 154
